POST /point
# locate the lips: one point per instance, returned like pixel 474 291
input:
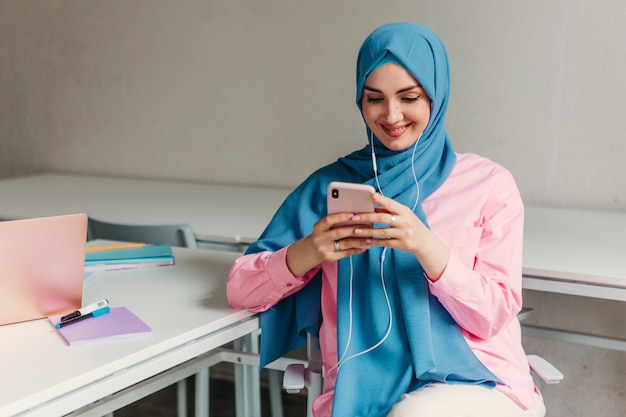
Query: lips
pixel 395 131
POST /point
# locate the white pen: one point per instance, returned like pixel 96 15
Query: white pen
pixel 85 310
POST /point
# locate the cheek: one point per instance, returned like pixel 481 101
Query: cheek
pixel 421 115
pixel 370 115
pixel 426 111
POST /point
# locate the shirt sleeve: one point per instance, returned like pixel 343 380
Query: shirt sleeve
pixel 481 284
pixel 258 281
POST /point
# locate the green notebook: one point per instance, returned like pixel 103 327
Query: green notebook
pixel 143 256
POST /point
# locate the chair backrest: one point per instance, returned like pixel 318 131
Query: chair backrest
pixel 180 235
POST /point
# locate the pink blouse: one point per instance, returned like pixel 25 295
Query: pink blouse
pixel 479 214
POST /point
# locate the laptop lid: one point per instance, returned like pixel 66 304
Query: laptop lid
pixel 42 262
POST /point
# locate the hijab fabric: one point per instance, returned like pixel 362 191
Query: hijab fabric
pixel 423 344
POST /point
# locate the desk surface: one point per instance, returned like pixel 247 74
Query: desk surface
pixel 184 304
pixel 575 245
pixel 560 244
pixel 218 213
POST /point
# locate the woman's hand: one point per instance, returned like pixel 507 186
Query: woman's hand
pixel 405 232
pixel 327 243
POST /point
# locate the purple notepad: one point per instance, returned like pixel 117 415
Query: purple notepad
pixel 120 323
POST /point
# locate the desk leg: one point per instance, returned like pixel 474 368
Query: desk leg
pixel 202 393
pixel 181 397
pixel 247 385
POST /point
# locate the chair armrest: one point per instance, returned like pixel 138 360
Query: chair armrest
pixel 544 369
pixel 293 380
pixel 524 313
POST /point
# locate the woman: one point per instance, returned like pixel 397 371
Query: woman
pixel 418 316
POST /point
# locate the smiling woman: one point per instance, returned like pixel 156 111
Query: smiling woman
pixel 417 317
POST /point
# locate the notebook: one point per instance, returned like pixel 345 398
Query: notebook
pixel 41 266
pixel 128 258
pixel 119 323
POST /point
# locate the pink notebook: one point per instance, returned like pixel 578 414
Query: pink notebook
pixel 120 323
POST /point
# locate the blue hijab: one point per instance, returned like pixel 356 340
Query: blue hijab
pixel 424 344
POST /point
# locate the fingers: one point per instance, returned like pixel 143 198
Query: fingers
pixel 387 204
pixel 349 246
pixel 332 239
pixel 361 221
pixel 339 235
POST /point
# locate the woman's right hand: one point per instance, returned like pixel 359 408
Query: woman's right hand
pixel 326 243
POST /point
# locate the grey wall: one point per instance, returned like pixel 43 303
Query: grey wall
pixel 262 92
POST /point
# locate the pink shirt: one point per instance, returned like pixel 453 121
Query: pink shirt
pixel 478 213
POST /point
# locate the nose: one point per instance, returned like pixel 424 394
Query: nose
pixel 393 113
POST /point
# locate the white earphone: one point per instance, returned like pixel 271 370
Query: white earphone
pixel 342 360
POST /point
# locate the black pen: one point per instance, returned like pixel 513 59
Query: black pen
pixel 96 313
pixel 85 310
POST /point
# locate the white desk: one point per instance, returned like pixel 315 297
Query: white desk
pixel 572 252
pixel 217 213
pixel 567 251
pixel 576 252
pixel 184 304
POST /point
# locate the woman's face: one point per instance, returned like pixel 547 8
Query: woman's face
pixel 395 107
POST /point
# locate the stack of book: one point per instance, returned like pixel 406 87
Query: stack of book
pixel 131 256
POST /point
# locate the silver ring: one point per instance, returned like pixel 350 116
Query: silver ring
pixel 393 220
pixel 336 246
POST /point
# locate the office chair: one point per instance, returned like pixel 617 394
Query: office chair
pixel 179 235
pixel 298 376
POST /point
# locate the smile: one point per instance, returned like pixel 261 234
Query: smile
pixel 395 131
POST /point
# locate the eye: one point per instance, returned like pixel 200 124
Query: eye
pixel 374 99
pixel 410 99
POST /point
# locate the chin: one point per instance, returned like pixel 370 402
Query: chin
pixel 397 145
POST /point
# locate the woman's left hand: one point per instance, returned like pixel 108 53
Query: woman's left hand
pixel 405 232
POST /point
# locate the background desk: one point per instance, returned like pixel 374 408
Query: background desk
pixel 576 252
pixel 573 252
pixel 186 307
pixel 231 216
pixel 580 253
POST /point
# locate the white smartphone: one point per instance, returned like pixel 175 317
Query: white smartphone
pixel 346 197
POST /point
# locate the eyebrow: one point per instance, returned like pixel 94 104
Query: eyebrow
pixel 402 90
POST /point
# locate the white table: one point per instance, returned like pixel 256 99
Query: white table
pixel 218 214
pixel 580 253
pixel 583 249
pixel 186 307
pixel 574 252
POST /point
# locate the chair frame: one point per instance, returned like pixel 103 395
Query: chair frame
pixel 299 376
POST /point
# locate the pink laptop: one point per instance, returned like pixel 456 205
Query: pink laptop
pixel 42 262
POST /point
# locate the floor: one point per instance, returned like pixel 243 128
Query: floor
pixel 221 402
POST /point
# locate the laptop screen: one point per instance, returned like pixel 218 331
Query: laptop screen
pixel 41 266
